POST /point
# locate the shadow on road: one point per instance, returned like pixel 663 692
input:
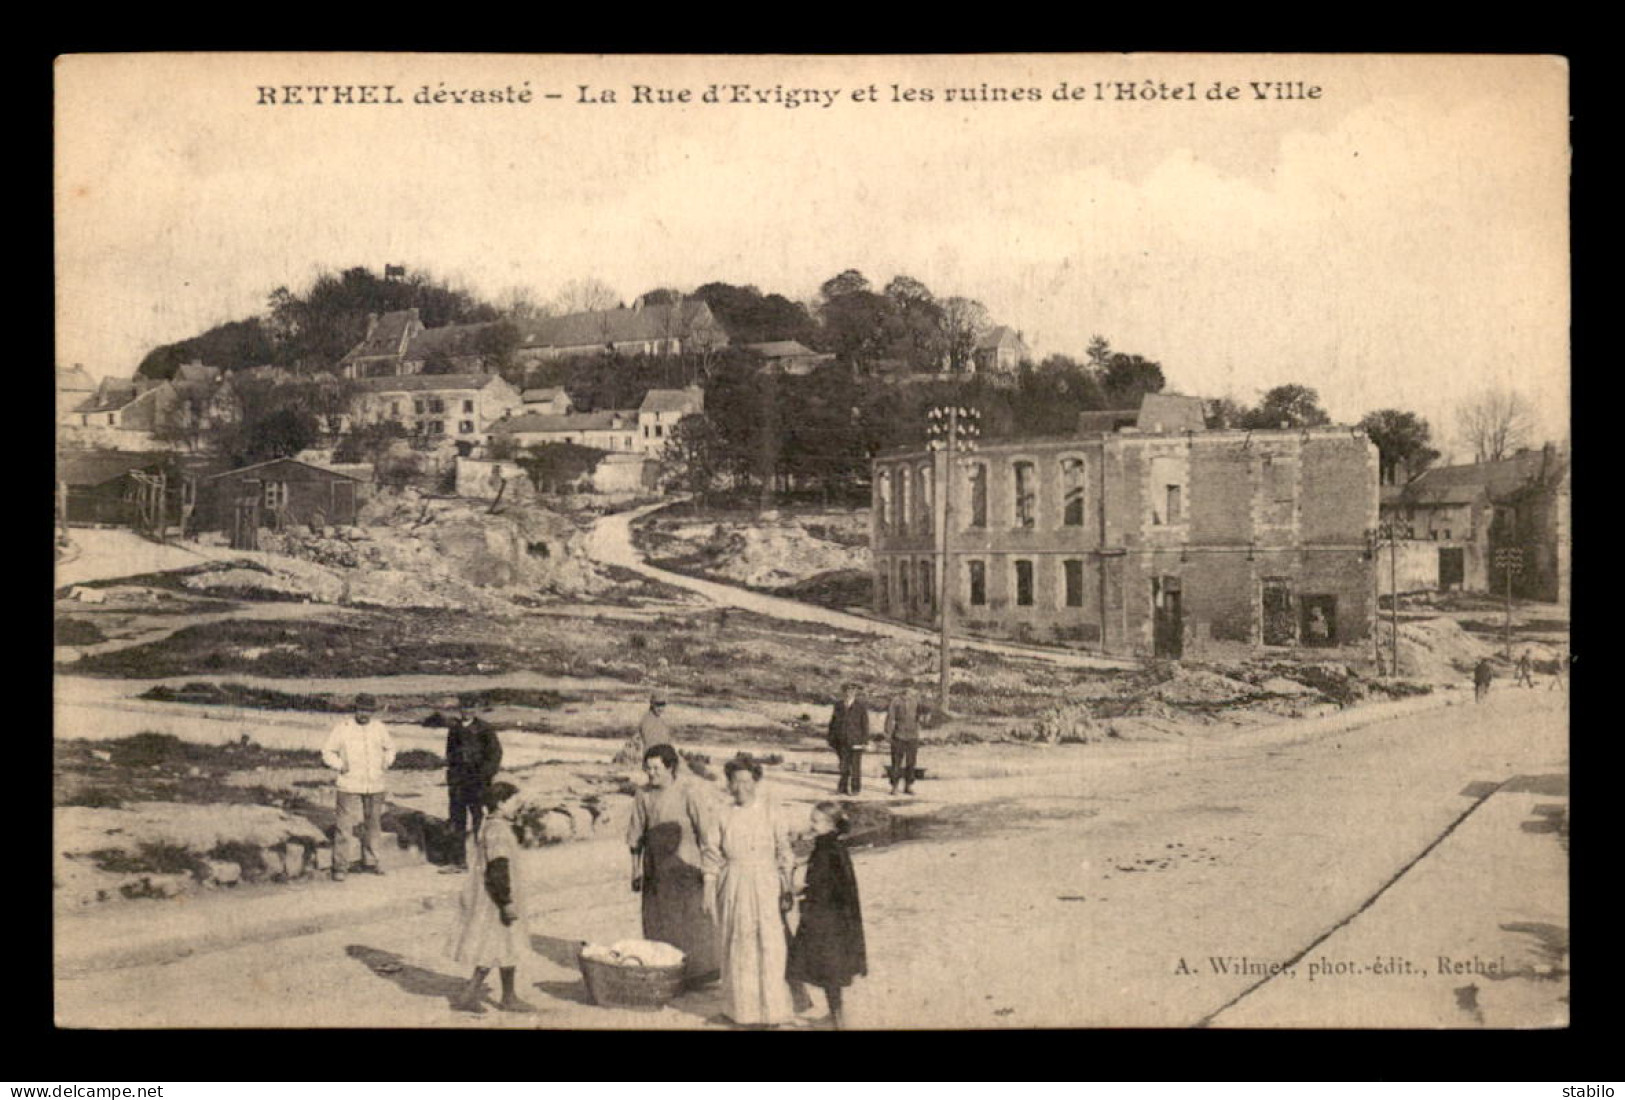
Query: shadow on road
pixel 416 980
pixel 557 950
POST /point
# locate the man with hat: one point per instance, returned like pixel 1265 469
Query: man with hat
pixel 360 750
pixel 473 756
pixel 849 737
pixel 652 729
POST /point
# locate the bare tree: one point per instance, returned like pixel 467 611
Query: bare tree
pixel 521 303
pixel 586 295
pixel 963 321
pixel 1495 423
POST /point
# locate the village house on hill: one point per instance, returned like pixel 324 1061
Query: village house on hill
pixel 457 407
pixel 789 356
pixel 74 386
pixel 548 400
pixel 1144 533
pixel 398 343
pixel 645 430
pixel 1451 520
pixel 1000 351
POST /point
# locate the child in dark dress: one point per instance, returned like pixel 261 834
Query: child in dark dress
pixel 828 949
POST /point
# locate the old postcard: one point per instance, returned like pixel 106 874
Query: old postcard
pixel 811 542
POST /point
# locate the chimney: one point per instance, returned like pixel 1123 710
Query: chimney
pixel 372 324
pixel 637 304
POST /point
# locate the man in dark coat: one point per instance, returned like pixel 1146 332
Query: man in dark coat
pixel 1482 675
pixel 849 736
pixel 473 757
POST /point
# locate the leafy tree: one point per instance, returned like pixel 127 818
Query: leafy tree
pixel 1495 423
pixel 695 457
pixel 438 362
pixel 1099 354
pixel 1128 378
pixel 919 339
pixel 858 327
pixel 557 466
pixel 1289 406
pixel 749 317
pixel 370 442
pixel 231 346
pixel 314 330
pixel 662 296
pixel 850 281
pixel 1402 440
pixel 1226 412
pixel 185 420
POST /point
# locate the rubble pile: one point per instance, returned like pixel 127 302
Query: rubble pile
pixel 768 554
pixel 413 551
pixel 1199 687
pixel 166 849
pixel 1070 723
pixel 1438 649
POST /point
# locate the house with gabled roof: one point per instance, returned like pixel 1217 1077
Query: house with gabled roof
pixel 279 492
pixel 399 344
pixel 661 410
pixel 382 349
pixel 1000 350
pixel 552 400
pixel 74 386
pixel 789 356
pixel 1464 514
pixel 613 430
pixel 459 407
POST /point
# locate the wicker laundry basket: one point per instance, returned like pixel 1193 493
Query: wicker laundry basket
pixel 641 987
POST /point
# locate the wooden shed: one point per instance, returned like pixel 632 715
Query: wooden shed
pixel 279 493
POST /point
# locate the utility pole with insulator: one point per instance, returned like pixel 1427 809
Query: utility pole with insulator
pixel 1509 559
pixel 952 430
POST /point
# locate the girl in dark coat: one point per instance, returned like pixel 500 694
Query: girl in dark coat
pixel 828 949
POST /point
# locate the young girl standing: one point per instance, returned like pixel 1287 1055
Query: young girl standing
pixel 828 949
pixel 490 929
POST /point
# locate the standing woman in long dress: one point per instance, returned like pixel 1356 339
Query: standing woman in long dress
pixel 748 865
pixel 665 832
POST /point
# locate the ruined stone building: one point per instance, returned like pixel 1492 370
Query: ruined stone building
pixel 1143 533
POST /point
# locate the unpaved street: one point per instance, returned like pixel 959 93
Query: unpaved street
pixel 1109 891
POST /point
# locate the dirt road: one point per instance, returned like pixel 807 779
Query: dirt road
pixel 610 543
pixel 1115 897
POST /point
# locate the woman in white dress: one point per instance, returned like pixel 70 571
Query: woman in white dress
pixel 748 865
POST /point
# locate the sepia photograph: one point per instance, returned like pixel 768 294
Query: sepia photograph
pixel 811 542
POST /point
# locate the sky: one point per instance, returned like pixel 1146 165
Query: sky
pixel 1399 240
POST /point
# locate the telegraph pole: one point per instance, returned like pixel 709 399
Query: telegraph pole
pixel 1510 561
pixel 1371 546
pixel 947 425
pixel 1393 600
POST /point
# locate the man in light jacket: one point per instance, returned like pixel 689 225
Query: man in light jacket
pixel 903 730
pixel 360 750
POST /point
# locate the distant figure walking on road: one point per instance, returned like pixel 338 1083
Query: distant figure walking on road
pixel 849 736
pixel 653 730
pixel 360 750
pixel 1559 670
pixel 903 731
pixel 473 757
pixel 490 930
pixel 1526 671
pixel 1482 675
